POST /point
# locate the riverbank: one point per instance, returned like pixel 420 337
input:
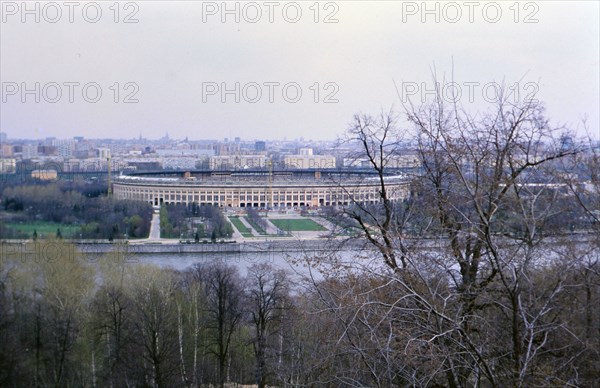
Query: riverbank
pixel 23 247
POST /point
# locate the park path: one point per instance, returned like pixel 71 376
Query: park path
pixel 236 234
pixel 155 227
pixel 271 229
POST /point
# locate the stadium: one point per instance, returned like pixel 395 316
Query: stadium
pixel 310 188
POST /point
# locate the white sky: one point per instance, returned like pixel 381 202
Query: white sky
pixel 170 53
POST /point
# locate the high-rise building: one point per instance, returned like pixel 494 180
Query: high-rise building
pixel 260 146
pixel 6 150
pixel 30 151
pixel 103 153
pixel 65 148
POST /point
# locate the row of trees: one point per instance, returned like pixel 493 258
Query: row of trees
pixel 257 222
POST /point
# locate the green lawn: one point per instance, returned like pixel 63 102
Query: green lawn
pixel 297 225
pixel 244 231
pixel 46 229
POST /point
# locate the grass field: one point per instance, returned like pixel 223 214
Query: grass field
pixel 45 229
pixel 244 231
pixel 297 225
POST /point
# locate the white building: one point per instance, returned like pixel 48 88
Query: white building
pixel 225 162
pixel 104 153
pixel 8 166
pixel 30 151
pixel 309 161
pixel 65 147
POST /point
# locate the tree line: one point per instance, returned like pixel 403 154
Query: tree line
pixel 84 205
pixel 67 322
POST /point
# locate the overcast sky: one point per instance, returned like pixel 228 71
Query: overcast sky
pixel 179 56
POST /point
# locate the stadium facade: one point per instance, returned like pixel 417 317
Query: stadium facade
pixel 259 188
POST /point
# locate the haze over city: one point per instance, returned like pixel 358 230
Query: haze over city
pixel 180 69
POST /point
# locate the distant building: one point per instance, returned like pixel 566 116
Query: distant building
pixel 44 175
pixel 145 165
pixel 196 153
pixel 398 161
pixel 118 148
pixel 226 148
pixel 3 137
pixel 72 165
pixel 65 148
pixel 8 166
pixel 260 146
pixel 94 164
pixel 46 150
pixel 179 163
pixel 249 188
pixel 6 150
pixel 29 151
pixel 104 153
pixel 236 162
pixel 309 161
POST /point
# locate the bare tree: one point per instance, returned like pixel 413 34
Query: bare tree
pixel 155 323
pixel 224 310
pixel 483 199
pixel 267 290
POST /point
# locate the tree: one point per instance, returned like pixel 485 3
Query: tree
pixel 57 291
pixel 266 293
pixel 155 325
pixel 113 333
pixel 224 310
pixel 480 178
